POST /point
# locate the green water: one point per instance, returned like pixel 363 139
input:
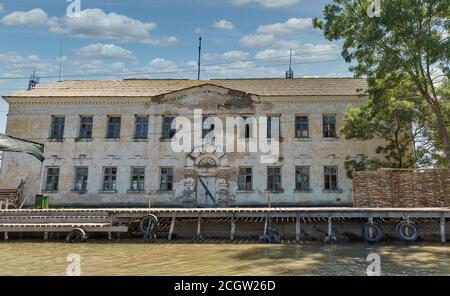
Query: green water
pixel 138 258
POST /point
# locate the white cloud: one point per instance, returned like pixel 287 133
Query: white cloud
pixel 234 55
pixel 224 25
pixel 23 62
pixel 95 23
pixel 268 3
pixel 90 24
pixel 107 51
pixel 2 8
pixel 198 31
pixel 160 63
pixel 33 18
pixel 256 40
pixel 165 41
pixel 292 25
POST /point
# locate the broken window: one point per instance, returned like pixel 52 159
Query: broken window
pixel 57 128
pixel 81 179
pixel 330 176
pixel 301 127
pixel 113 129
pixel 141 127
pixel 52 181
pixel 166 183
pixel 302 178
pixel 329 126
pixel 273 178
pixel 167 131
pixel 109 179
pixel 245 179
pixel 137 179
pixel 86 123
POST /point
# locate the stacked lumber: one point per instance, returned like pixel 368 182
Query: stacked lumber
pixel 397 188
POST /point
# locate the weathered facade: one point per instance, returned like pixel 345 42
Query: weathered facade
pixel 107 143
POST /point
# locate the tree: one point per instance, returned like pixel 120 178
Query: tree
pixel 398 119
pixel 408 41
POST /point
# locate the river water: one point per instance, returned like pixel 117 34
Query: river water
pixel 138 258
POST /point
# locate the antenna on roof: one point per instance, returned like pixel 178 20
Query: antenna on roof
pixel 60 59
pixel 290 72
pixel 33 81
pixel 199 56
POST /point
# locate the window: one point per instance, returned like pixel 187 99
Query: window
pixel 57 129
pixel 273 121
pixel 329 126
pixel 137 179
pixel 109 179
pixel 330 176
pixel 167 131
pixel 248 127
pixel 86 123
pixel 166 179
pixel 274 179
pixel 81 179
pixel 51 184
pixel 141 127
pixel 302 178
pixel 113 129
pixel 301 127
pixel 245 179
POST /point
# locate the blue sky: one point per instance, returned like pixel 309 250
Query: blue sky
pixel 159 38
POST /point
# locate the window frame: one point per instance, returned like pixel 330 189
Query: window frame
pixel 273 182
pixel 269 126
pixel 298 127
pixel 298 169
pixel 86 127
pixel 245 175
pixel 167 132
pixel 166 178
pixel 60 135
pixel 54 184
pixel 84 182
pixel 113 134
pixel 327 131
pixel 113 183
pixel 144 126
pixel 328 178
pixel 140 182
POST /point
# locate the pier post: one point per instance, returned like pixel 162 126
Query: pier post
pixel 233 227
pixel 172 227
pixel 45 235
pixel 297 228
pixel 442 228
pixel 329 227
pixel 111 219
pixel 199 224
pixel 6 236
pixel 266 225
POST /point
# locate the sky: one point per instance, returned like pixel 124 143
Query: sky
pixel 116 39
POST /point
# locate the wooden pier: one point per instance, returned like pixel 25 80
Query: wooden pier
pixel 118 220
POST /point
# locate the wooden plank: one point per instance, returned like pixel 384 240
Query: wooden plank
pixel 233 228
pixel 297 228
pixel 442 229
pixel 199 224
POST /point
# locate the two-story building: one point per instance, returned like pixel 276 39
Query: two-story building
pixel 110 143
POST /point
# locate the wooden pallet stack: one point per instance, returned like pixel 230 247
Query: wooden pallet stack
pixel 402 188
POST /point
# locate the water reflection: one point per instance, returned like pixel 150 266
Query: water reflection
pixel 137 258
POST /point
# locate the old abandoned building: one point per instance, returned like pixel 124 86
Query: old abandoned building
pixel 107 143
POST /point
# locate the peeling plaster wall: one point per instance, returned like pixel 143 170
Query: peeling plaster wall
pixel 31 119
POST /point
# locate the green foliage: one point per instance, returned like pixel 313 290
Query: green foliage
pixel 407 44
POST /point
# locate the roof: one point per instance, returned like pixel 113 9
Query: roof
pixel 157 87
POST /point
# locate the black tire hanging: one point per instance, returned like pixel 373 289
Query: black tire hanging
pixel 133 229
pixel 148 225
pixel 77 235
pixel 407 231
pixel 375 236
